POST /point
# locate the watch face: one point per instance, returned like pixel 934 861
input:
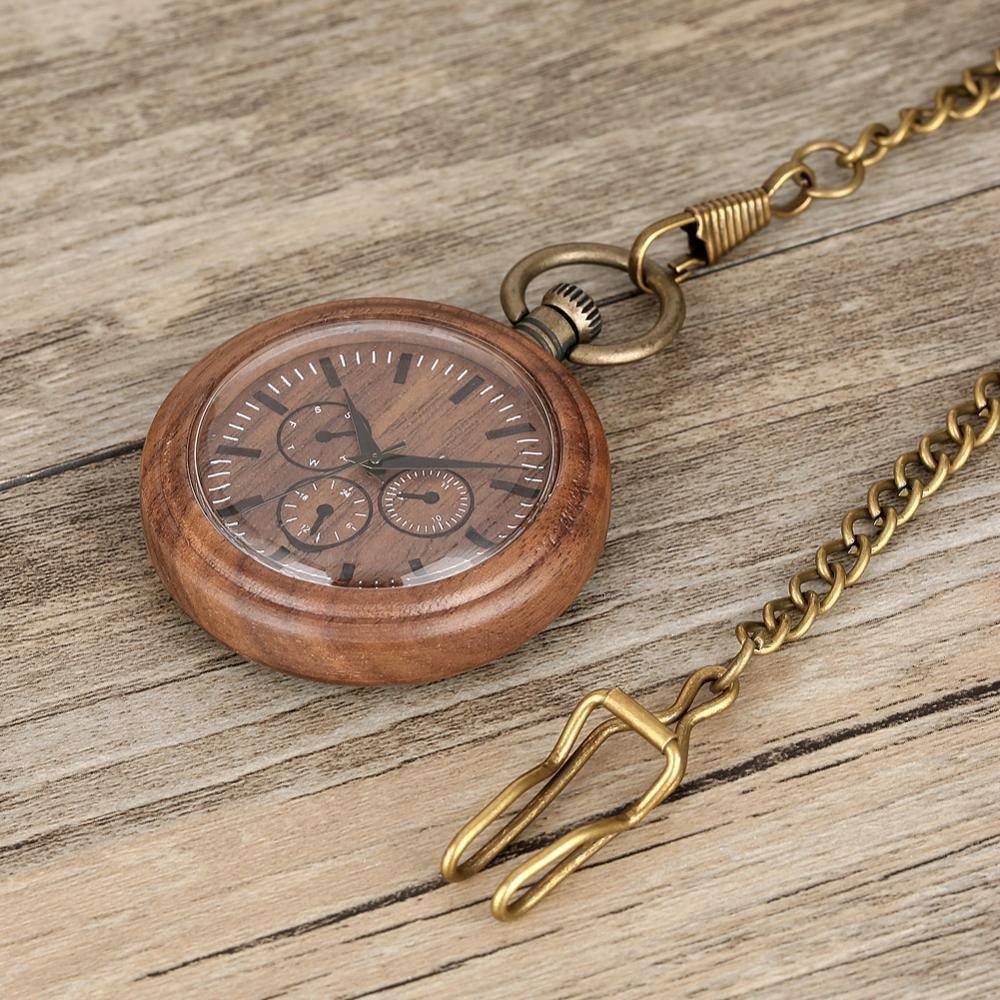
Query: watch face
pixel 374 453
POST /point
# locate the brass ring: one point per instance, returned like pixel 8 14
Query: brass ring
pixel 804 178
pixel 857 168
pixel 665 288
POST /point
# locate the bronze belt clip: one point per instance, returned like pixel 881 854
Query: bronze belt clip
pixel 668 732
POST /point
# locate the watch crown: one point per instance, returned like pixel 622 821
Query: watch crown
pixel 566 317
pixel 578 307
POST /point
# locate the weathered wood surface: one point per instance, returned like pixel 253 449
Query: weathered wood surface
pixel 174 821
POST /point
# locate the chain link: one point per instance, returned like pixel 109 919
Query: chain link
pixel 714 227
pixel 955 102
pixel 865 531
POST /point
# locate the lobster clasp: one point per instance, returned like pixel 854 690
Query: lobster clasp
pixel 539 875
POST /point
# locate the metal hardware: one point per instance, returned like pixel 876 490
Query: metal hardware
pixel 536 878
pixel 579 308
pixel 664 287
pixel 839 564
pixel 567 316
pixel 713 228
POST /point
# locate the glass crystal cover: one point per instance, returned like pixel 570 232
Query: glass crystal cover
pixel 374 453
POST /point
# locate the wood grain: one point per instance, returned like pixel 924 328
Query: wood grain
pixel 175 821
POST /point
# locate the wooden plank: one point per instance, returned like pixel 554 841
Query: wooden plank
pixel 175 174
pixel 848 831
pixel 245 814
pixel 175 821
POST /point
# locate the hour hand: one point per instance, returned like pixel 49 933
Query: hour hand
pixel 324 436
pixel 429 462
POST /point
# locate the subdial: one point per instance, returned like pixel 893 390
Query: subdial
pixel 325 513
pixel 317 435
pixel 426 502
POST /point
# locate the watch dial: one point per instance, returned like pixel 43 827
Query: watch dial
pixel 375 453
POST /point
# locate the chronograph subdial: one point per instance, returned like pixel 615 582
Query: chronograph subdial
pixel 325 513
pixel 426 502
pixel 317 435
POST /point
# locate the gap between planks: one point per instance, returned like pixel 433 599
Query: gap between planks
pixel 752 766
pixel 114 451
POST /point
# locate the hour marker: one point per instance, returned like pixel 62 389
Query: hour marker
pixel 403 368
pixel 332 378
pixel 237 451
pixel 478 540
pixel 466 390
pixel 346 573
pixel 517 489
pixel 416 565
pixel 270 402
pixel 240 505
pixel 502 432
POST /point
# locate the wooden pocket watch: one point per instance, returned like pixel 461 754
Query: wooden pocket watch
pixel 377 491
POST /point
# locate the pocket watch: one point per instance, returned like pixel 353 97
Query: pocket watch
pixel 376 491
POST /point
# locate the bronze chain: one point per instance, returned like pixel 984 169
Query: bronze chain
pixel 713 228
pixel 866 530
pixel 890 504
pixel 954 102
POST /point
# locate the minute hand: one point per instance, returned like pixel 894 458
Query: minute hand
pixel 428 462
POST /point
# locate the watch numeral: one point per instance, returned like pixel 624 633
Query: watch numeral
pixel 270 402
pixel 240 505
pixel 515 488
pixel 332 378
pixel 466 390
pixel 478 540
pixel 502 432
pixel 402 368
